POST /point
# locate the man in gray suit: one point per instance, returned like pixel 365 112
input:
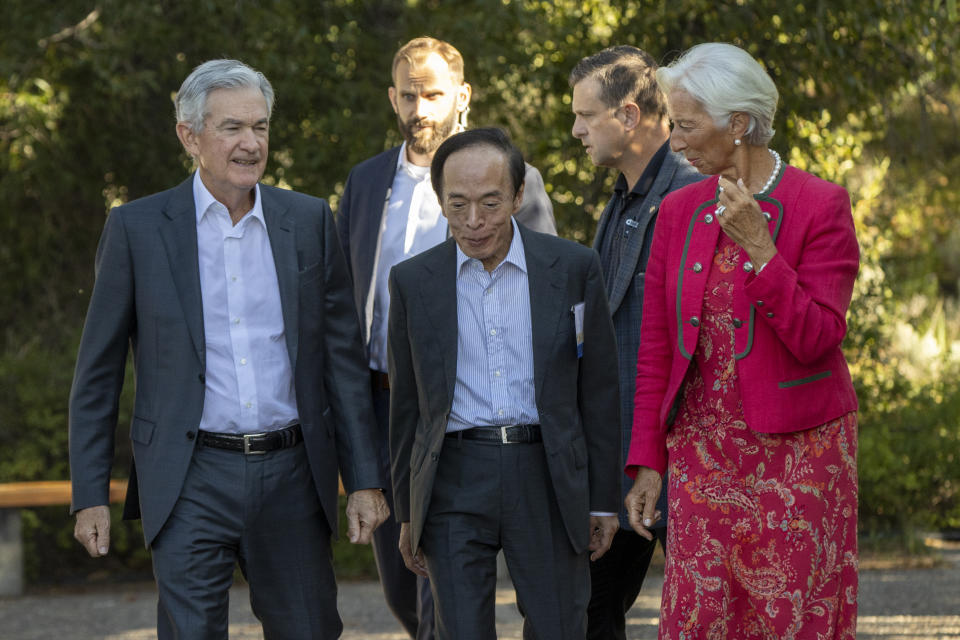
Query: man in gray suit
pixel 251 388
pixel 504 414
pixel 620 117
pixel 390 212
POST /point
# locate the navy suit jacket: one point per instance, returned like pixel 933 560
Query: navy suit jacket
pixel 147 295
pixel 626 293
pixel 576 397
pixel 361 210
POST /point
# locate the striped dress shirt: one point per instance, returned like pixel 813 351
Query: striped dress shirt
pixel 495 343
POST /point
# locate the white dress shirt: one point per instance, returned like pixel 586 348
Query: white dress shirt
pixel 412 223
pixel 495 343
pixel 249 381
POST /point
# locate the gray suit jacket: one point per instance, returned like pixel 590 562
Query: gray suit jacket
pixel 626 292
pixel 576 398
pixel 147 295
pixel 360 216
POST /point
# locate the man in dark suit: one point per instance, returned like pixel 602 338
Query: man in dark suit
pixel 504 414
pixel 620 117
pixel 390 212
pixel 251 387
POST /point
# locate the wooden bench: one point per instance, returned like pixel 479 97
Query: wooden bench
pixel 18 495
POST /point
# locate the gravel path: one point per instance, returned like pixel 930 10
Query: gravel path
pixel 898 604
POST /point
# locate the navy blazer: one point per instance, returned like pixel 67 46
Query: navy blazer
pixel 147 295
pixel 361 210
pixel 576 397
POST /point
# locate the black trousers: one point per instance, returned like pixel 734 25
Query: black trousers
pixel 487 497
pixel 615 581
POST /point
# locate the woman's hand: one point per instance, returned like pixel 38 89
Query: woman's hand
pixel 641 501
pixel 742 220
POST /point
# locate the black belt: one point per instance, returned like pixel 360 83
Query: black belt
pixel 379 380
pixel 510 434
pixel 252 442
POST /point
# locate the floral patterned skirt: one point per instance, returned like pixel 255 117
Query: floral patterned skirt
pixel 762 528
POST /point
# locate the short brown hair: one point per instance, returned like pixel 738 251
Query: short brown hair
pixel 416 51
pixel 624 73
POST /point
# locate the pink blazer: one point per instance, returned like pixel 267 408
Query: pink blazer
pixel 789 320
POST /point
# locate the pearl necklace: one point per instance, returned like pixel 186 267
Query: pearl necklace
pixel 776 172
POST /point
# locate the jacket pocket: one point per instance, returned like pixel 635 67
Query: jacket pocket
pixel 579 447
pixel 141 430
pixel 786 384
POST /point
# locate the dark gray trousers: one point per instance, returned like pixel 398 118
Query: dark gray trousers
pixel 489 496
pixel 261 511
pixel 408 595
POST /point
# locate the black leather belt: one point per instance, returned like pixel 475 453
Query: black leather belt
pixel 252 443
pixel 510 434
pixel 379 380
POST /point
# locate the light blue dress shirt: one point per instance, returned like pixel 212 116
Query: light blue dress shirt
pixel 495 343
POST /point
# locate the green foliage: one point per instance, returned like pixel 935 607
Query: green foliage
pixel 869 95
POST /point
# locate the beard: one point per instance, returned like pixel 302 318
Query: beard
pixel 426 140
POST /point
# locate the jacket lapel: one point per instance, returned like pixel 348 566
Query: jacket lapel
pixel 634 247
pixel 547 282
pixel 438 295
pixel 282 232
pixel 179 234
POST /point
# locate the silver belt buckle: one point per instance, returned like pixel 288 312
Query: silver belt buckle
pixel 246 444
pixel 503 434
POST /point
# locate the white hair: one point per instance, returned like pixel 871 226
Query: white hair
pixel 191 101
pixel 725 79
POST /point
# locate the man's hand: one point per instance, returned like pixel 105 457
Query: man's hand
pixel 641 501
pixel 602 530
pixel 414 561
pixel 93 530
pixel 366 510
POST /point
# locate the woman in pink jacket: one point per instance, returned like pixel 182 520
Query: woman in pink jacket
pixel 742 389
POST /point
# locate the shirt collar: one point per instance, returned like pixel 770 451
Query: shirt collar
pixel 649 174
pixel 414 171
pixel 203 199
pixel 515 255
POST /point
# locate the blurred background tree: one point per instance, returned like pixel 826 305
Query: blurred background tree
pixel 869 96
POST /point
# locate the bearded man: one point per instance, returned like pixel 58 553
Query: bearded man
pixel 388 213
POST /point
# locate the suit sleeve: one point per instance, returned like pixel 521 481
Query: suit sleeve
pixel 536 210
pixel 343 221
pixel 599 398
pixel 807 306
pixel 404 406
pixel 345 375
pixel 101 362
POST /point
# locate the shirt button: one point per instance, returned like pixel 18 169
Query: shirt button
pixel 769 314
pixel 737 322
pixel 500 413
pixel 695 321
pixel 748 266
pixel 233 278
pixel 697 267
pixel 708 218
pixel 497 373
pixel 493 332
pixel 243 361
pixel 759 303
pixel 249 404
pixel 236 321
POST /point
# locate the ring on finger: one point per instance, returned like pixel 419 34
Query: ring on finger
pixel 720 210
